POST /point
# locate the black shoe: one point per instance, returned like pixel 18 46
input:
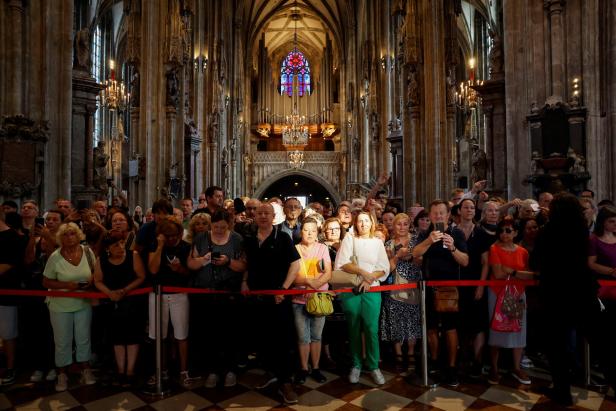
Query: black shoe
pixel 300 377
pixel 476 371
pixel 8 378
pixel 317 376
pixel 561 397
pixel 450 377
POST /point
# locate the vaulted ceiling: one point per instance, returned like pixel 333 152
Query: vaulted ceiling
pixel 277 21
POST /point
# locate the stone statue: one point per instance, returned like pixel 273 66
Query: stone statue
pixel 374 126
pixel 224 164
pixel 412 88
pixel 100 166
pixel 356 148
pixel 479 164
pixel 81 59
pixel 578 162
pixel 121 135
pixel 173 95
pixel 232 149
pixel 134 88
pixel 534 163
pixel 451 86
pixel 496 55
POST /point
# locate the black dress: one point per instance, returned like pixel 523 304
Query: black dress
pixel 126 324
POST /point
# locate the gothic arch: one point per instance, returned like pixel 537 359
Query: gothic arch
pixel 335 195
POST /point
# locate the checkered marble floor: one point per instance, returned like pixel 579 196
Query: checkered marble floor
pixel 335 394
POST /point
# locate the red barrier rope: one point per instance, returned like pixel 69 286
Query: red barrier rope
pixel 189 290
pixel 76 294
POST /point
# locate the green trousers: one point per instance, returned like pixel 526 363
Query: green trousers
pixel 362 314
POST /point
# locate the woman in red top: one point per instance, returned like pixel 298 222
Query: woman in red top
pixel 507 260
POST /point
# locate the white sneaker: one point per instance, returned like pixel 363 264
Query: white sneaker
pixel 377 377
pixel 526 363
pixel 51 375
pixel 37 376
pixel 230 379
pixel 354 375
pixel 87 377
pixel 211 381
pixel 62 383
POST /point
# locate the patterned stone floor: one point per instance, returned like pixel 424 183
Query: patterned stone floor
pixel 335 394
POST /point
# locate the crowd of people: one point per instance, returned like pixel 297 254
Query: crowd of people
pixel 565 242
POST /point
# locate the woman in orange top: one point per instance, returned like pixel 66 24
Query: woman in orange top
pixel 507 260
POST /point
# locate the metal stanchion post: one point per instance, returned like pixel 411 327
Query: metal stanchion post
pixel 159 390
pixel 590 382
pixel 424 380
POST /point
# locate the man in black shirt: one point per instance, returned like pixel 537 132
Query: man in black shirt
pixel 273 263
pixel 443 252
pixel 214 197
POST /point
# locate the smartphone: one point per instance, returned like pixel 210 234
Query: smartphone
pixel 440 227
pixel 39 221
pixel 215 254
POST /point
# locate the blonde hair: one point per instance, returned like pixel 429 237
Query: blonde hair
pixel 197 218
pixel 69 227
pixel 398 217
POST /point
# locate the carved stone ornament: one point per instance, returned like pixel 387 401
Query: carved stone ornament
pixel 16 190
pixel 22 128
pixel 412 88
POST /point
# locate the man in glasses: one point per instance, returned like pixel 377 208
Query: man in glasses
pixel 292 210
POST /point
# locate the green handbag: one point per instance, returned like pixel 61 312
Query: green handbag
pixel 319 304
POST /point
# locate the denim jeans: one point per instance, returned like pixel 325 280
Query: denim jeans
pixel 309 328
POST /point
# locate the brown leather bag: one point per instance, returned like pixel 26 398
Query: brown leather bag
pixel 446 299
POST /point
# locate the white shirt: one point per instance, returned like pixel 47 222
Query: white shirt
pixel 370 252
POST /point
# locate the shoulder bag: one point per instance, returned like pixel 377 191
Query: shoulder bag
pixel 342 279
pixel 446 298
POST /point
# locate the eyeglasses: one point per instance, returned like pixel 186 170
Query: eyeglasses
pixel 293 207
pixel 333 229
pixel 505 230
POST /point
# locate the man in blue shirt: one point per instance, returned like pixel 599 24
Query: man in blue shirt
pixel 291 225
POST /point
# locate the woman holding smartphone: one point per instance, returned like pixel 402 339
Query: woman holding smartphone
pixel 69 268
pixel 168 267
pixel 400 322
pixel 217 256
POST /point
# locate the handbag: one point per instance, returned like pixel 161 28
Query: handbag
pixel 342 279
pixel 513 305
pixel 446 299
pixel 319 304
pixel 406 295
pixel 500 321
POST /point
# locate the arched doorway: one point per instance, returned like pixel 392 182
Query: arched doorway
pixel 298 183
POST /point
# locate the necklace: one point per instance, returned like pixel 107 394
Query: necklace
pixel 72 257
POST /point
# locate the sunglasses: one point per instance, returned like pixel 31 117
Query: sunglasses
pixel 505 230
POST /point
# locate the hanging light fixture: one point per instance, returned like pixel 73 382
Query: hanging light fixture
pixel 295 134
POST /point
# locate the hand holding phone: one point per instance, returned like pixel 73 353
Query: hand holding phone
pixel 440 227
pixel 39 221
pixel 83 284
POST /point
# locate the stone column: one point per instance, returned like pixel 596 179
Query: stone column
pixel 557 37
pixel 14 63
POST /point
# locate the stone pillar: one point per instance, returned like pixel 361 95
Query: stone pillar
pixel 492 94
pixel 14 63
pixel 557 47
pixel 85 91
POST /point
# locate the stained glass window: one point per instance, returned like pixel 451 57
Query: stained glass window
pixel 295 65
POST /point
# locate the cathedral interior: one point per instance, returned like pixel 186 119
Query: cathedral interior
pixel 165 98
